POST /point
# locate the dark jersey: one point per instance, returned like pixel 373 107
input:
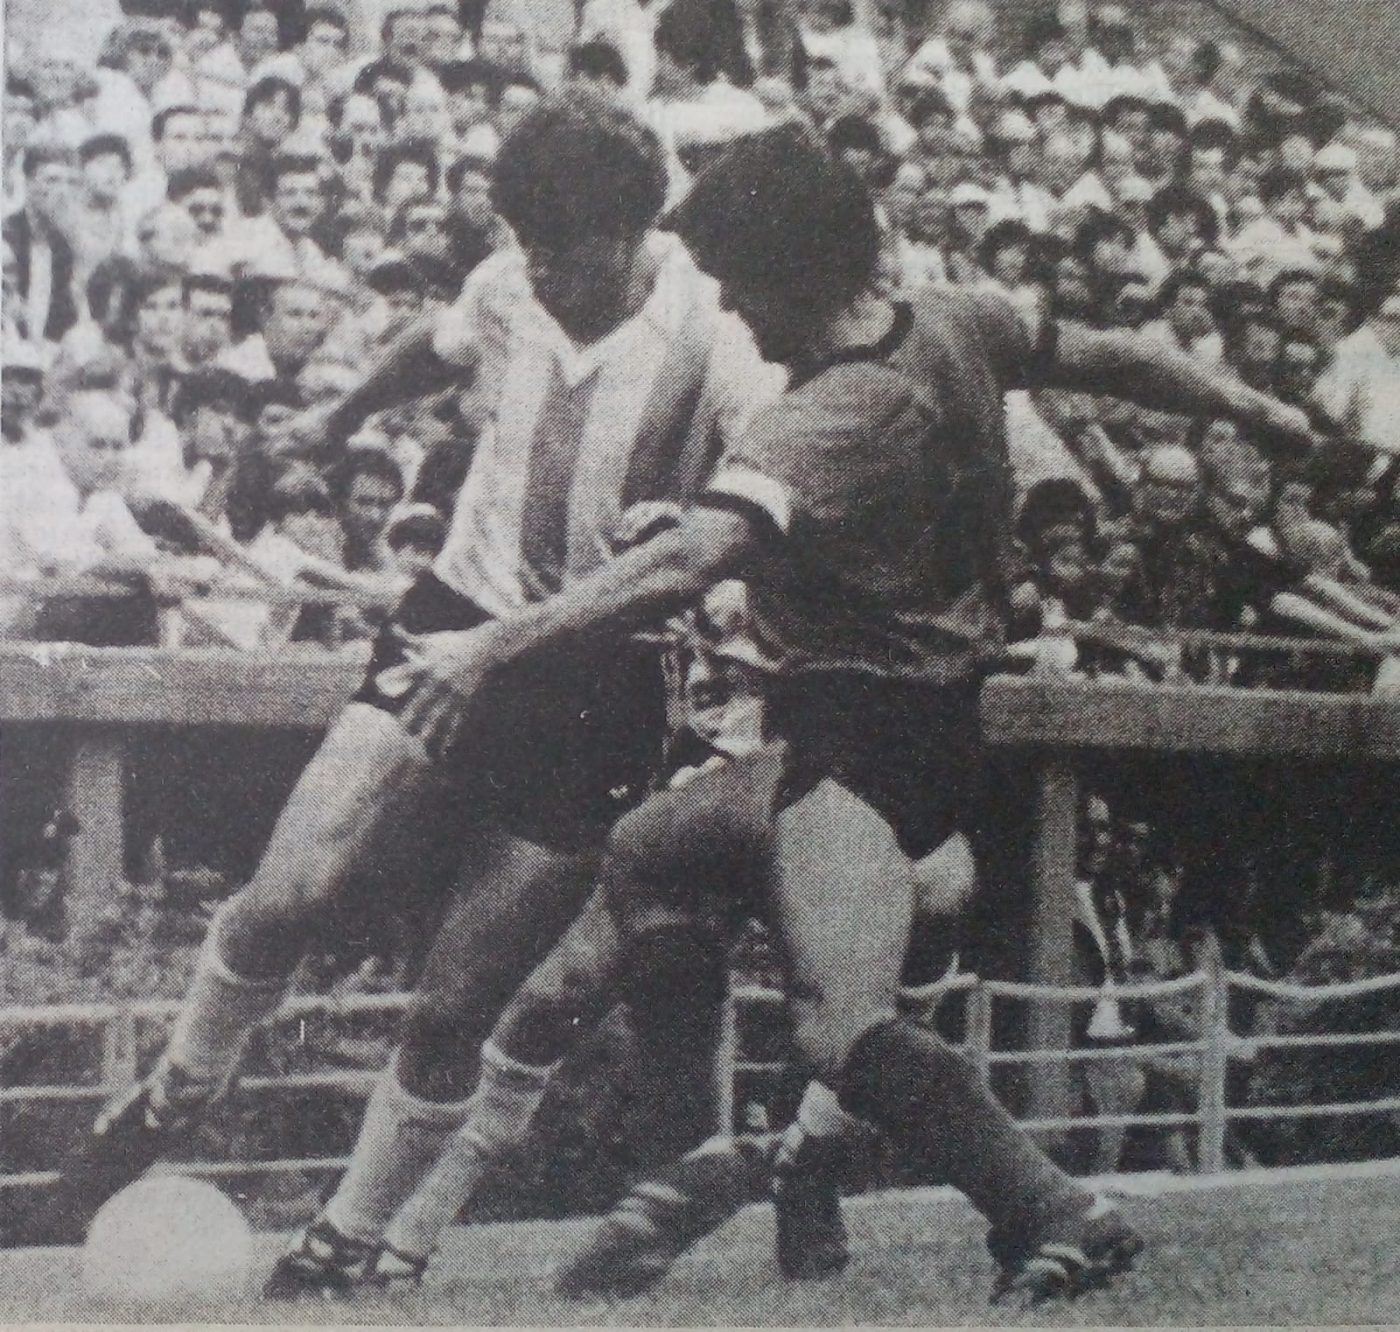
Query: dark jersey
pixel 886 472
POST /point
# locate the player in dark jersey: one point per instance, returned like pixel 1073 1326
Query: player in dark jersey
pixel 606 375
pixel 869 510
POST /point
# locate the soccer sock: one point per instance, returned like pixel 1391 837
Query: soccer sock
pixel 400 1139
pixel 499 1116
pixel 221 1008
pixel 931 1103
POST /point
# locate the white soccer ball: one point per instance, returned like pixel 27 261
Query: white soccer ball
pixel 168 1243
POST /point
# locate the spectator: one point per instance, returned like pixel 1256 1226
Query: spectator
pixel 213 410
pixel 1184 318
pixel 38 237
pixel 365 486
pixel 1279 239
pixel 208 317
pixel 1362 387
pixel 294 322
pixel 598 64
pixel 414 536
pixel 271 112
pixel 105 225
pixel 21 116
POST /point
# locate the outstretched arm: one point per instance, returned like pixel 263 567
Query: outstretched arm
pixel 1122 365
pixel 410 368
pixel 646 584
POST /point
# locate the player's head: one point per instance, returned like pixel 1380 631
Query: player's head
pixel 789 233
pixel 580 182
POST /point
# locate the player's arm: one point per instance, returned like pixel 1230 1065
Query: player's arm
pixel 410 368
pixel 1122 365
pixel 648 583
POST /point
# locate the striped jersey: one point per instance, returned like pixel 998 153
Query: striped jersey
pixel 573 436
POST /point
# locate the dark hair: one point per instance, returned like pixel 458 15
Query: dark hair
pixel 390 159
pixel 326 14
pixel 47 154
pixel 398 224
pixel 268 89
pixel 1178 201
pixel 298 491
pixel 774 208
pixel 1280 180
pixel 1041 28
pixel 187 180
pixel 929 104
pixel 380 69
pixel 106 145
pixel 1099 226
pixel 695 36
pixel 598 59
pixel 1212 132
pixel 1176 281
pixel 426 530
pixel 1206 60
pixel 276 393
pixel 1052 501
pixel 393 275
pixel 120 279
pixel 363 462
pixel 210 387
pixel 1004 235
pixel 578 166
pixel 460 75
pixel 1167 116
pixel 1239 301
pixel 1115 106
pixel 853 131
pixel 212 282
pixel 18 87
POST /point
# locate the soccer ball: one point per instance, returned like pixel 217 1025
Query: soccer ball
pixel 168 1243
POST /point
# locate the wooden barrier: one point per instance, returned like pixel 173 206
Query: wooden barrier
pixel 95 698
pixel 1059 723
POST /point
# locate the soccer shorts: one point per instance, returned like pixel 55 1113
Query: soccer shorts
pixel 565 746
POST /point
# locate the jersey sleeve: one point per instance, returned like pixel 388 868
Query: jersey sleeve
pixel 457 330
pixel 1020 341
pixel 812 457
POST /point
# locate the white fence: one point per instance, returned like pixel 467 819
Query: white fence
pixel 1211 1053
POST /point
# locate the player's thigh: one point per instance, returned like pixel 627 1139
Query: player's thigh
pixel 699 852
pixel 841 902
pixel 496 931
pixel 568 993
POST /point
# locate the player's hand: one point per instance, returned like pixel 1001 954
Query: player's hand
pixel 445 672
pixel 644 520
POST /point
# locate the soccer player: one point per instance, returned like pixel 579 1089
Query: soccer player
pixel 869 510
pixel 609 376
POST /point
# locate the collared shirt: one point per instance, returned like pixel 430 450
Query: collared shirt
pixel 257 246
pixel 573 434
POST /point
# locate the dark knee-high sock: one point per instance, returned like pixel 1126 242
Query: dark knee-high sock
pixel 929 1100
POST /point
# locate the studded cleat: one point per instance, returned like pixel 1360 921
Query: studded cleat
pixel 321 1263
pixel 1067 1260
pixel 811 1233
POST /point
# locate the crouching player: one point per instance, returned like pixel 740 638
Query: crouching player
pixel 869 510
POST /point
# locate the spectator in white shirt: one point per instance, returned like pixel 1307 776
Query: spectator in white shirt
pixel 295 318
pixel 1334 169
pixel 1014 145
pixel 1185 319
pixel 1361 388
pixel 1278 239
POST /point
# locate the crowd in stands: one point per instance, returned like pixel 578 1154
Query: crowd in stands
pixel 211 237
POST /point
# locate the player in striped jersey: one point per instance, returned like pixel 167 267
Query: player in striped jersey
pixel 606 374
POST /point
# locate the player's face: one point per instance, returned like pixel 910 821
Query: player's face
pixel 585 285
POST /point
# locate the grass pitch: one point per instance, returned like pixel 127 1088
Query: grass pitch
pixel 1303 1251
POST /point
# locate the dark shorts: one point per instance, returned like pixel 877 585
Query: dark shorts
pixel 567 744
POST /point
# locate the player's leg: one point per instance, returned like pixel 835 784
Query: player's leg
pixel 493 935
pixel 564 999
pixel 842 907
pixel 360 781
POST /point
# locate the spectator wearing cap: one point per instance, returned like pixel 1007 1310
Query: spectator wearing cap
pixel 1361 388
pixel 38 234
pixel 1335 171
pixel 1185 319
pixel 1279 238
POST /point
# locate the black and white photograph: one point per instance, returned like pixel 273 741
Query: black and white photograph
pixel 705 663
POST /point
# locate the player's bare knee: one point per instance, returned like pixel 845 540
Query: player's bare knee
pixel 825 1032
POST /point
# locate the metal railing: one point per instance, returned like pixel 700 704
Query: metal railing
pixel 1214 1049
